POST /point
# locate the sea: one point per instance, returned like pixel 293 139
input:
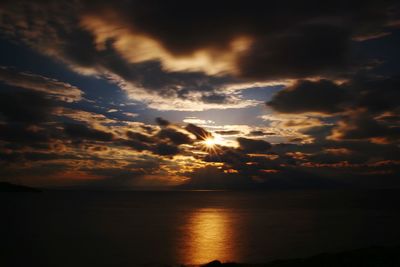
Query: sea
pixel 158 228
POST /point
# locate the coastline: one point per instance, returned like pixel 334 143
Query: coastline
pixel 364 257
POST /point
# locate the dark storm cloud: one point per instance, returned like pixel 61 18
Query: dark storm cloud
pixel 319 133
pixel 28 103
pixel 214 98
pixel 162 122
pixel 332 156
pixel 34 156
pixel 290 39
pixel 138 141
pixel 364 126
pixel 376 98
pixel 22 135
pixel 24 106
pixel 228 155
pixel 325 163
pixel 114 178
pixel 140 137
pixel 260 133
pixel 165 142
pixel 238 157
pixel 168 21
pixel 228 132
pixel 23 114
pixel 253 146
pixel 273 171
pixel 306 40
pixel 376 94
pixel 304 52
pixel 135 144
pixel 56 31
pixel 308 96
pixel 212 178
pixel 153 78
pixel 357 107
pixel 52 88
pixel 174 136
pixel 165 149
pixel 84 132
pixel 167 83
pixel 197 131
pixel 337 151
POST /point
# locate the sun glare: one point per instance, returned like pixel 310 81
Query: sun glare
pixel 209 142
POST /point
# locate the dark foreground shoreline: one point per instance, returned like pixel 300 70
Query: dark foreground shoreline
pixel 14 188
pixel 366 257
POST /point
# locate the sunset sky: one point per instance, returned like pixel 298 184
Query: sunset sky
pixel 200 94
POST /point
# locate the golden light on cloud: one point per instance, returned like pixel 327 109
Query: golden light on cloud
pixel 137 47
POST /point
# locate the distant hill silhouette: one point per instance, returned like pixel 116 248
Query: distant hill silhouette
pixel 9 187
pixel 367 257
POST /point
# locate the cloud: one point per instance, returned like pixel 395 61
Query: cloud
pixel 140 137
pixel 359 126
pixel 56 34
pixel 285 40
pixel 253 146
pixel 164 142
pixel 260 133
pixel 162 122
pixel 198 132
pixel 83 116
pixel 377 94
pixel 136 144
pixel 195 120
pixel 24 106
pixel 356 106
pixel 131 43
pixel 81 131
pixel 306 51
pixel 20 135
pixel 165 149
pixel 210 177
pixel 215 98
pixel 174 136
pixel 294 126
pixel 49 87
pixel 138 47
pixel 228 132
pixel 322 96
pixel 334 114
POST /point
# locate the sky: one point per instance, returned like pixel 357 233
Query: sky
pixel 200 94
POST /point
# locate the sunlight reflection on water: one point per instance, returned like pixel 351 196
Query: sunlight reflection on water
pixel 209 236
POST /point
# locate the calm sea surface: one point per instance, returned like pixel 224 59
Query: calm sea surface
pixel 132 228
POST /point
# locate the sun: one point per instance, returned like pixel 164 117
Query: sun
pixel 211 145
pixel 209 142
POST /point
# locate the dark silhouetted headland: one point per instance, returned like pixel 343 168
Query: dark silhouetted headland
pixel 367 257
pixel 9 187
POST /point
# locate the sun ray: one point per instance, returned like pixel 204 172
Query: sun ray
pixel 210 144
